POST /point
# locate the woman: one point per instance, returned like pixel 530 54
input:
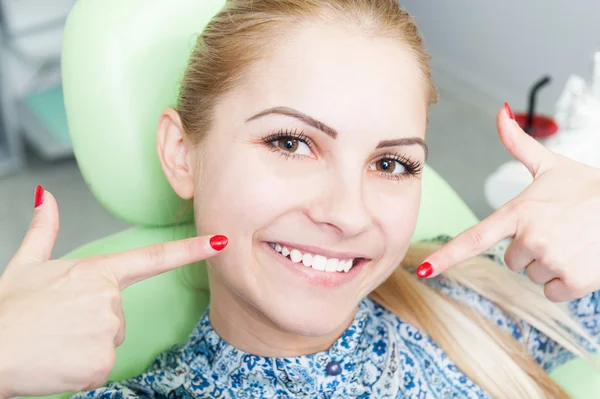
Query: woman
pixel 300 135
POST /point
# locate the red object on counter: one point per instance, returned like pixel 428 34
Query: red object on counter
pixel 536 125
pixel 543 126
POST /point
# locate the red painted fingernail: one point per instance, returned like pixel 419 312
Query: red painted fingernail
pixel 218 242
pixel 425 270
pixel 38 198
pixel 509 111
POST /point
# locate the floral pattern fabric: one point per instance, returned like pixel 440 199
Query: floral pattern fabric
pixel 380 356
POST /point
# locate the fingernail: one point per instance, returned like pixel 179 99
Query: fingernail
pixel 509 111
pixel 38 198
pixel 425 270
pixel 218 242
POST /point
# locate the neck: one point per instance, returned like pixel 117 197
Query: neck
pixel 245 327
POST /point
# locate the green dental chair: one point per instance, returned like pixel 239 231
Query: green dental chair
pixel 122 63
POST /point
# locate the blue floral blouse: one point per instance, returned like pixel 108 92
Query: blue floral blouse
pixel 378 356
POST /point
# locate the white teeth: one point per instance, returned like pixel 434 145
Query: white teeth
pixel 296 256
pixel 319 263
pixel 349 265
pixel 307 260
pixel 332 265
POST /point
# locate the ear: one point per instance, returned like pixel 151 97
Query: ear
pixel 174 152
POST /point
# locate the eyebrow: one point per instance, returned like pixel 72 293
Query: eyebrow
pixel 408 141
pixel 301 117
pixel 405 142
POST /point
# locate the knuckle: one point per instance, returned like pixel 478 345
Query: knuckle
pixel 475 237
pixel 551 294
pixel 189 247
pixel 120 338
pixel 509 258
pixel 535 278
pixel 39 227
pixel 558 269
pixel 115 326
pixel 512 207
pixel 555 268
pixel 536 243
pixel 111 326
pixel 106 299
pixel 573 284
pixel 101 365
pixel 156 254
pixel 110 296
pixel 512 266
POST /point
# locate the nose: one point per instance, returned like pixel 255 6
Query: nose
pixel 340 206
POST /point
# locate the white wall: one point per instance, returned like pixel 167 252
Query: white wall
pixel 501 47
pixel 22 16
pixel 23 62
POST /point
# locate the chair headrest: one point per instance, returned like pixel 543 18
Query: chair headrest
pixel 122 64
pixel 123 61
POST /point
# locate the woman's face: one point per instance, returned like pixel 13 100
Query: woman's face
pixel 312 169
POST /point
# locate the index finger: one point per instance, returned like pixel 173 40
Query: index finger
pixel 500 225
pixel 140 264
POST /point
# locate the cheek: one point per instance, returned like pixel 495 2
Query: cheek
pixel 241 194
pixel 397 214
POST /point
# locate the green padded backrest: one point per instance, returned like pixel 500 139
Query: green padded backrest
pixel 122 63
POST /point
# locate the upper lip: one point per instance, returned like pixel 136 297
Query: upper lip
pixel 321 251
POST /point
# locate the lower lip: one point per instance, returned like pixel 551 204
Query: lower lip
pixel 317 277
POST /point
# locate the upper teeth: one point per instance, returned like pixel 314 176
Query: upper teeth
pixel 317 262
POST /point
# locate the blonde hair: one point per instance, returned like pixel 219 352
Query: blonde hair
pixel 240 35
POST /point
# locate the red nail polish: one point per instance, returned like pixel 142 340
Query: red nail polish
pixel 425 270
pixel 38 198
pixel 218 242
pixel 509 111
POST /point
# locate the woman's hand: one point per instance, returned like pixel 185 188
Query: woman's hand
pixel 554 223
pixel 60 321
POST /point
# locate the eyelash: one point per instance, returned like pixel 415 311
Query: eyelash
pixel 413 168
pixel 288 134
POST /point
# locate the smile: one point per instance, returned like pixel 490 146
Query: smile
pixel 316 261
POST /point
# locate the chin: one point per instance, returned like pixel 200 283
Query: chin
pixel 311 317
pixel 306 299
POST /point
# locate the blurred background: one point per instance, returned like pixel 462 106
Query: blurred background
pixel 484 53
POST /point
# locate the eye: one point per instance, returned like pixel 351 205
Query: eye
pixel 292 145
pixel 396 167
pixel 388 166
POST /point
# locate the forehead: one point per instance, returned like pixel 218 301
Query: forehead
pixel 348 79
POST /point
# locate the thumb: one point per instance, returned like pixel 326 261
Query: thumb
pixel 536 158
pixel 39 241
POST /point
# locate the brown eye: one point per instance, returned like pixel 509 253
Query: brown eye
pixel 388 166
pixel 385 165
pixel 288 144
pixel 292 145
